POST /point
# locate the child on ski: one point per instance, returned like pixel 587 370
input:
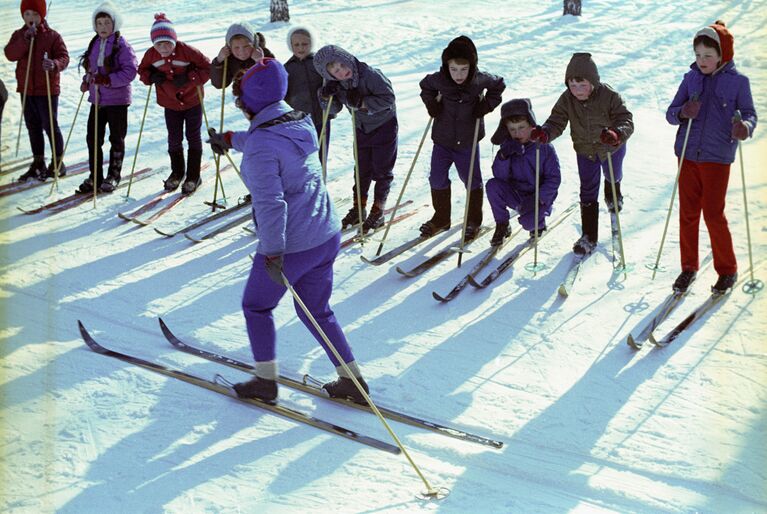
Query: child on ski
pixel 49 56
pixel 600 124
pixel 705 107
pixel 299 231
pixel 454 98
pixel 241 52
pixel 178 72
pixel 366 91
pixel 110 67
pixel 514 169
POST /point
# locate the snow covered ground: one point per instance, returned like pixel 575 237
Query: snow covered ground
pixel 588 424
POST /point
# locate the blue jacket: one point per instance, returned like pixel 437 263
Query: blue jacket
pixel 720 94
pixel 515 164
pixel 291 206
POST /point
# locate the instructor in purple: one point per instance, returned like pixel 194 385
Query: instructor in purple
pixel 299 231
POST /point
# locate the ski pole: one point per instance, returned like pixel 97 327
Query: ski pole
pixel 207 127
pixel 96 146
pixel 753 286
pixel 534 267
pixel 673 192
pixel 357 187
pixel 323 140
pixel 468 189
pixel 138 143
pixel 53 133
pixel 404 185
pixel 24 95
pixel 66 143
pixel 217 158
pixel 430 492
pixel 617 213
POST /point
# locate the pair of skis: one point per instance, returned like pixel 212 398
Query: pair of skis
pixel 185 229
pixel 18 187
pixel 296 415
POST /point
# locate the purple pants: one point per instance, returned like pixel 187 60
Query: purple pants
pixel 175 120
pixel 37 120
pixel 590 175
pixel 502 197
pixel 311 274
pixel 377 153
pixel 443 157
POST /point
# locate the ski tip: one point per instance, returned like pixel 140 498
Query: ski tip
pixel 633 343
pixel 563 292
pixel 192 239
pixel 164 234
pixel 437 297
pixel 404 272
pixel 474 283
pixel 164 327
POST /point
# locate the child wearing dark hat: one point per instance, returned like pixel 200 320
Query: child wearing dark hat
pixel 514 169
pixel 706 106
pixel 240 51
pixel 299 231
pixel 110 67
pixel 456 97
pixel 367 91
pixel 178 72
pixel 49 56
pixel 600 124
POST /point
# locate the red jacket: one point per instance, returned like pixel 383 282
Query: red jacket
pixel 184 59
pixel 47 41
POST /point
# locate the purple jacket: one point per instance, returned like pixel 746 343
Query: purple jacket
pixel 121 73
pixel 515 164
pixel 720 94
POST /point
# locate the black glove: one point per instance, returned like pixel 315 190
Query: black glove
pixel 434 108
pixel 330 88
pixel 354 98
pixel 156 76
pixel 219 143
pixel 481 108
pixel 180 79
pixel 274 268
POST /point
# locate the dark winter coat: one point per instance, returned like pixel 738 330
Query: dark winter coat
pixel 121 73
pixel 233 66
pixel 184 59
pixel 3 94
pixel 47 41
pixel 721 94
pixel 604 108
pixel 515 163
pixel 303 86
pixel 371 84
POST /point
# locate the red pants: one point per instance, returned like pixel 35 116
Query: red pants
pixel 703 187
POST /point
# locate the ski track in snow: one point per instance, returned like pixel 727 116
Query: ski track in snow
pixel 588 424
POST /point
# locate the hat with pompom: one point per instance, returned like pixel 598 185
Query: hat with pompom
pixel 723 37
pixel 265 83
pixel 162 30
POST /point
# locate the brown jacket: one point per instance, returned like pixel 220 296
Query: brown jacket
pixel 47 41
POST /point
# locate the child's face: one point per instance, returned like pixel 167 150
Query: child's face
pixel 339 71
pixel 301 45
pixel 242 49
pixel 164 47
pixel 31 17
pixel 104 27
pixel 519 130
pixel 581 89
pixel 458 72
pixel 707 59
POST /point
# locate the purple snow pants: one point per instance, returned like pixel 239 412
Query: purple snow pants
pixel 377 153
pixel 311 274
pixel 590 175
pixel 443 157
pixel 502 197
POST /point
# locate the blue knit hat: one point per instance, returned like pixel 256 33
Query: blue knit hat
pixel 265 83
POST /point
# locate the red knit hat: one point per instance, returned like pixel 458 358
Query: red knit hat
pixel 33 5
pixel 162 29
pixel 719 33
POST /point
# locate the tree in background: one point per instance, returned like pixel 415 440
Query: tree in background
pixel 279 10
pixel 570 7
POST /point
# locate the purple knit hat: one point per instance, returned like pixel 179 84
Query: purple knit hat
pixel 265 83
pixel 162 29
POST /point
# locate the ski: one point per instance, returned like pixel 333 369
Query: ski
pixel 316 390
pixel 439 257
pixel 572 274
pixel 486 259
pixel 696 314
pixel 404 247
pixel 18 187
pixel 519 251
pixel 162 211
pixel 238 220
pixel 204 221
pixel 356 238
pixel 615 238
pixel 76 199
pixel 159 197
pixel 227 391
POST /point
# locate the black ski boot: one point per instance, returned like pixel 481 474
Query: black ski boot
pixel 440 199
pixel 50 171
pixel 375 219
pixel 609 196
pixel 353 216
pixel 344 388
pixel 113 172
pixel 683 281
pixel 193 180
pixel 502 231
pixel 541 230
pixel 87 186
pixel 258 388
pixel 474 221
pixel 590 227
pixel 36 170
pixel 724 283
pixel 176 170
